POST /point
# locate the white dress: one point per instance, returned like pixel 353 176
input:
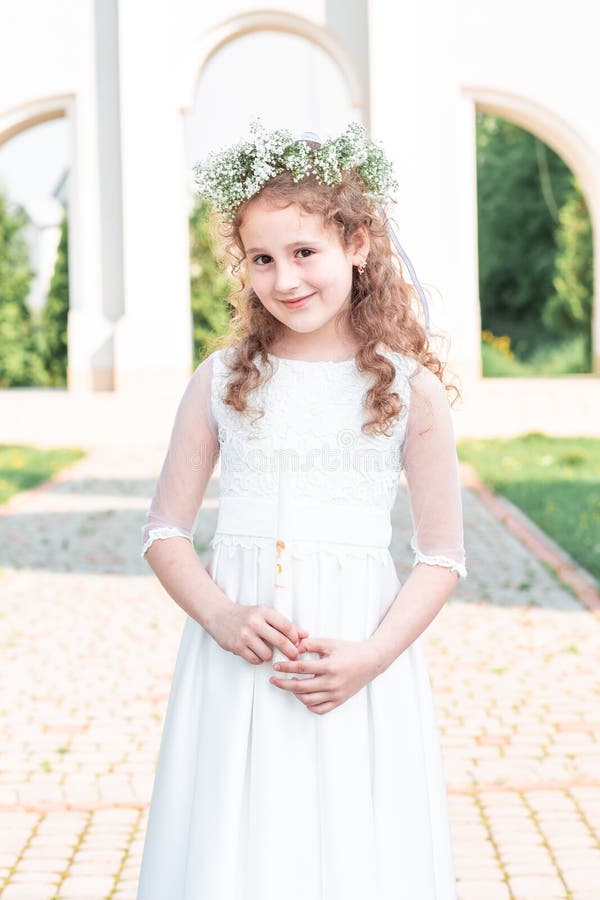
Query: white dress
pixel 255 796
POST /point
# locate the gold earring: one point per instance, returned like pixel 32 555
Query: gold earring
pixel 362 267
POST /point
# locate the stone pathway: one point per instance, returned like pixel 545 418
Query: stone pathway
pixel 89 638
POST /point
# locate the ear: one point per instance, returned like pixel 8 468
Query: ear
pixel 359 245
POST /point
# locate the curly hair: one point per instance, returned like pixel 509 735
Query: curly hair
pixel 380 307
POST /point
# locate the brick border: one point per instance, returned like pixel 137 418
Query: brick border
pixel 540 544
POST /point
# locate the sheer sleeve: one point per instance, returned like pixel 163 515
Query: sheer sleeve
pixel 191 456
pixel 430 463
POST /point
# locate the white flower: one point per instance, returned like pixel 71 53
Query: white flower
pixel 230 176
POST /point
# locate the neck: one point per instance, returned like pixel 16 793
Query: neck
pixel 312 347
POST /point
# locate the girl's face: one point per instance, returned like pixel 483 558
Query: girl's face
pixel 291 255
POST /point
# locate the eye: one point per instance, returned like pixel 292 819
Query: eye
pixel 305 250
pixel 262 256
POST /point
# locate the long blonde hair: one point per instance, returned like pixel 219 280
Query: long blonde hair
pixel 380 308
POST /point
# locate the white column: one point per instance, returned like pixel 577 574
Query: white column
pixel 418 115
pixel 348 21
pixel 95 270
pixel 466 308
pixel 153 341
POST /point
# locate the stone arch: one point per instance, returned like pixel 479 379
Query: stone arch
pixel 43 109
pixel 35 112
pixel 237 26
pixel 556 131
pixel 95 303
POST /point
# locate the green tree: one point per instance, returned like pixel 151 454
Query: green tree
pixel 209 287
pixel 21 363
pixel 521 184
pixel 55 313
pixel 569 309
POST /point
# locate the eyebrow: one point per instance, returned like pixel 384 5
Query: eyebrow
pixel 304 243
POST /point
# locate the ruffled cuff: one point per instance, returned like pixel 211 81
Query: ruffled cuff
pixel 445 561
pixel 165 531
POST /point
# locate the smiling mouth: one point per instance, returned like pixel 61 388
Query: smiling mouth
pixel 297 300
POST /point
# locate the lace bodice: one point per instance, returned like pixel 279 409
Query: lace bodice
pixel 311 427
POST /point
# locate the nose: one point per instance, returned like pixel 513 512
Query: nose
pixel 286 278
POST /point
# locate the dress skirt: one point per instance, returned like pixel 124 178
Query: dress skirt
pixel 255 797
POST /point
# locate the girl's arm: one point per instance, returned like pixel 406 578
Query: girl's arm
pixel 430 464
pixel 248 630
pixel 167 532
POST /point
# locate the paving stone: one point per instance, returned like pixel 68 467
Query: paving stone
pixel 29 891
pixel 33 863
pixel 83 886
pixel 477 889
pixel 528 887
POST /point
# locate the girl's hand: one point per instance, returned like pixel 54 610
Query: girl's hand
pixel 345 668
pixel 248 630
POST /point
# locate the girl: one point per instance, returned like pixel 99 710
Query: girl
pixel 300 756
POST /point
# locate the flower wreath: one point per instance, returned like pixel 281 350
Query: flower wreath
pixel 230 176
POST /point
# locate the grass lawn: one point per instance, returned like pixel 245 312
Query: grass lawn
pixel 22 466
pixel 554 480
pixel 569 356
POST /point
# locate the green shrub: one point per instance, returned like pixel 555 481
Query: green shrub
pixel 21 342
pixel 55 314
pixel 209 287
